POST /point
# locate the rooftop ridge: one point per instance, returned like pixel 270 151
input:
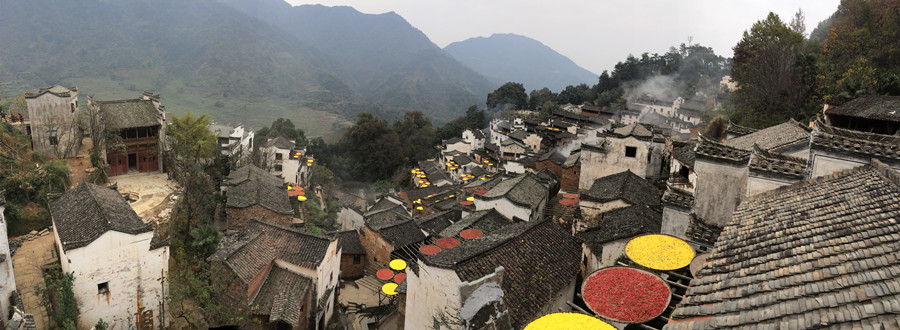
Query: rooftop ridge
pixel 809 182
pixel 713 149
pixel 291 230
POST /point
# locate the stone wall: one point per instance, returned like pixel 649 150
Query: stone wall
pixel 351 270
pixel 570 178
pixel 675 221
pixel 47 112
pixel 378 250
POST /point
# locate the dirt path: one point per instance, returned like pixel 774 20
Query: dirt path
pixel 27 266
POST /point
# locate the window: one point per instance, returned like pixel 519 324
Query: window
pixel 278 156
pixel 631 152
pixel 54 139
pixel 357 259
pixel 277 167
pixel 103 288
pixel 72 105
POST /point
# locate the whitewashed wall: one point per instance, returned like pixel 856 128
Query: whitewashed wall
pixel 435 291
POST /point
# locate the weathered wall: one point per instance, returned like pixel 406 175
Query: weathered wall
pixel 591 260
pixel 533 142
pixel 823 163
pixel 612 251
pixel 239 217
pixel 350 269
pixel 48 112
pixel 136 277
pixel 720 188
pixel 550 166
pixel 378 251
pixel 510 210
pixel 760 183
pixel 327 277
pixel 590 209
pixel 675 221
pixel 596 164
pixel 350 219
pixel 569 179
pixel 434 292
pixel 513 167
pixel 7 277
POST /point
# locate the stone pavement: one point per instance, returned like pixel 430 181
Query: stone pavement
pixel 151 191
pixel 27 264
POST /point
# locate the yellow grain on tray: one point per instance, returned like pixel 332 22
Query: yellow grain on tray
pixel 660 252
pixel 569 321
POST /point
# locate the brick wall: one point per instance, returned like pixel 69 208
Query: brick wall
pixel 239 217
pixel 569 179
pixel 551 166
pixel 349 270
pixel 379 250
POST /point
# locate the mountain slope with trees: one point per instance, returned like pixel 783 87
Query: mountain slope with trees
pixel 511 57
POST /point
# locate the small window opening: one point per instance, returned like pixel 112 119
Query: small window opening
pixel 631 152
pixel 103 288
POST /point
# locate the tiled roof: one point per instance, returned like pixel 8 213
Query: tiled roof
pixel 435 222
pixel 401 234
pixel 433 173
pixel 421 193
pixel 281 296
pixel 381 205
pixel 477 171
pixel 701 231
pixel 778 164
pixel 55 90
pixel 710 149
pixel 553 156
pixel 254 186
pixel 867 144
pixel 453 140
pixel 129 113
pixel 636 130
pixel 694 104
pixel 523 190
pixel 518 135
pixel 820 253
pixel 280 143
pixel 350 242
pixel 626 186
pixel 222 131
pixel 685 154
pixel 878 107
pixel 538 257
pixel 261 242
pixel 463 159
pixel 739 130
pixel 86 212
pixel 477 133
pixel 251 173
pixel 622 223
pixel 772 137
pixel 677 197
pixel 487 221
pixel 574 159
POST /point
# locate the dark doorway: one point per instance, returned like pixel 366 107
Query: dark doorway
pixel 132 162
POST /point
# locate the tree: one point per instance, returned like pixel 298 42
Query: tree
pixel 537 97
pixel 58 296
pixel 189 139
pixel 771 85
pixel 373 148
pixel 284 128
pixel 576 95
pixel 416 137
pixel 798 22
pixel 716 129
pixel 510 93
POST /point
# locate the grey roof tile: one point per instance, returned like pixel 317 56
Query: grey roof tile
pixel 86 212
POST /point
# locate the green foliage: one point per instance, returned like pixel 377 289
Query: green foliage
pixel 101 325
pixel 373 148
pixel 537 98
pixel 284 128
pixel 189 139
pixel 416 136
pixel 510 93
pixel 861 50
pixel 771 72
pixel 204 240
pixel 57 295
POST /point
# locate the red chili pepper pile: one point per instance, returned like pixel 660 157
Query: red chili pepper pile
pixel 626 294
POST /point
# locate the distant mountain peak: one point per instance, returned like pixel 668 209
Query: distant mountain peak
pixel 504 57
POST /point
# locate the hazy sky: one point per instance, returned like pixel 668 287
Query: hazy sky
pixel 594 33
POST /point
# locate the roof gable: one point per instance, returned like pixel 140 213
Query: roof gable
pixel 281 296
pixel 772 137
pixel 622 223
pixel 626 186
pixel 523 190
pixel 86 212
pixel 261 242
pixel 487 221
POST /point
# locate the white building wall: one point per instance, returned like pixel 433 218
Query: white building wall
pixel 595 164
pixel 822 164
pixel 48 112
pixel 759 184
pixel 433 292
pixel 612 251
pixel 349 219
pixel 461 146
pixel 506 208
pixel 135 275
pixel 675 221
pixel 327 276
pixel 592 209
pixel 7 276
pixel 533 142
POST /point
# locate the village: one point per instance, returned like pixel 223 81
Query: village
pixel 510 226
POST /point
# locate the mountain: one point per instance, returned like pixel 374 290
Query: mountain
pixel 215 57
pixel 382 57
pixel 509 57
